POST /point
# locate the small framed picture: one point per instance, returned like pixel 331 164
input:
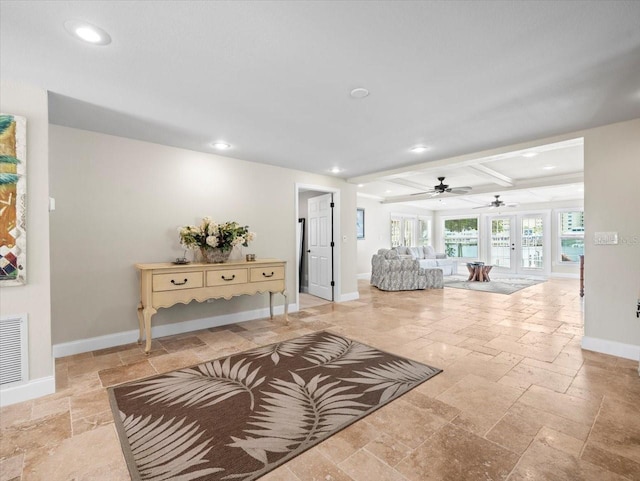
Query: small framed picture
pixel 360 223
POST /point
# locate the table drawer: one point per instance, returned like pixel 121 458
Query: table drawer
pixel 225 277
pixel 177 280
pixel 259 274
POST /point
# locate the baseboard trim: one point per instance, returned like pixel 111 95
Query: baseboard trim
pixel 565 275
pixel 28 390
pixel 127 337
pixel 364 275
pixel 349 296
pixel 614 348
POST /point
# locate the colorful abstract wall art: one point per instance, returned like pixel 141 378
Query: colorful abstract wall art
pixel 13 198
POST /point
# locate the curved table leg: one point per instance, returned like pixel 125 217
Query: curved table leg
pixel 286 307
pixel 147 313
pixel 140 323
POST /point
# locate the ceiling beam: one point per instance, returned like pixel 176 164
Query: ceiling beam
pixel 548 181
pixel 409 183
pixel 492 175
pixel 468 159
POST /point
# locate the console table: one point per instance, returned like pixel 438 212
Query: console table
pixel 167 284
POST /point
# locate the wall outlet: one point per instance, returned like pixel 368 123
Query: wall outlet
pixel 605 238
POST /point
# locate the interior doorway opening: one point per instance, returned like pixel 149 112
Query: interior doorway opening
pixel 317 228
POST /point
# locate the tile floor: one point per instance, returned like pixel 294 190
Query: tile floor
pixel 518 398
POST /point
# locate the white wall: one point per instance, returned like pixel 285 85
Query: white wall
pixel 377 228
pixel 120 202
pixel 34 297
pixel 612 272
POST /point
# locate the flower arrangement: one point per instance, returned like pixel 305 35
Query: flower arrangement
pixel 211 235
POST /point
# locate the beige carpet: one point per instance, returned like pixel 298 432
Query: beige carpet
pixel 239 417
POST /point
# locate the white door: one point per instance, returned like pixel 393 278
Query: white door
pixel 519 244
pixel 534 244
pixel 502 243
pixel 319 252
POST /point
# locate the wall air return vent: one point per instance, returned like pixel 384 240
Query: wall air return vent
pixel 14 346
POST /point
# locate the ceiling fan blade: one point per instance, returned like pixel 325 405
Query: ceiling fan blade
pixel 480 207
pixel 459 190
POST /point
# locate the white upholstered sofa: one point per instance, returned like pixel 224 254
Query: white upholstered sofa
pixel 429 258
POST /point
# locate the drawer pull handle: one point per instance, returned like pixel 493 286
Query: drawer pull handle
pixel 268 275
pixel 179 283
pixel 229 278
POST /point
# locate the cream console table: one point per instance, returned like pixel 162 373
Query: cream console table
pixel 166 284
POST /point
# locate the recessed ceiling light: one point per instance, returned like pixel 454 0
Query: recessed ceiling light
pixel 388 191
pixel 359 93
pixel 220 145
pixel 360 185
pixel 548 167
pixel 419 148
pixel 529 154
pixel 335 170
pixel 87 32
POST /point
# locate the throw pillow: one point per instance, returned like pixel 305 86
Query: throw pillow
pixel 429 252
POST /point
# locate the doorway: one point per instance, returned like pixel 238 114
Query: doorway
pixel 318 252
pixel 519 243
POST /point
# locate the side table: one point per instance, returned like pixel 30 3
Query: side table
pixel 478 271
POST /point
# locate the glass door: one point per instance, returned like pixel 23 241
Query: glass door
pixel 502 244
pixel 519 244
pixel 404 231
pixel 534 245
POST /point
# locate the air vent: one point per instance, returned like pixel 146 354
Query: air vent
pixel 14 367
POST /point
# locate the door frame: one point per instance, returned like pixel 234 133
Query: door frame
pixel 513 251
pixel 337 273
pixel 517 217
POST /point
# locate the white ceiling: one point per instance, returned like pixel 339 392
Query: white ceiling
pixel 273 78
pixel 555 173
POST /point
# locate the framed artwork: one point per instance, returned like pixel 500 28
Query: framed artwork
pixel 13 198
pixel 360 223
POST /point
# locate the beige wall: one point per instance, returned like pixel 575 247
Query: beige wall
pixel 612 272
pixel 120 201
pixel 34 297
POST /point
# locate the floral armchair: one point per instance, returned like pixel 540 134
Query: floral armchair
pixel 390 272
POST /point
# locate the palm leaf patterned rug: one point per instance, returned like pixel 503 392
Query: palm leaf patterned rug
pixel 239 417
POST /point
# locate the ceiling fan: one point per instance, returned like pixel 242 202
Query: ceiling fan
pixel 443 188
pixel 496 203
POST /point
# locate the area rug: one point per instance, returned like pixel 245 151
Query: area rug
pixel 239 417
pixel 498 286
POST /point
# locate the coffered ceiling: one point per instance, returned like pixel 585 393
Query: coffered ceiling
pixel 273 79
pixel 546 173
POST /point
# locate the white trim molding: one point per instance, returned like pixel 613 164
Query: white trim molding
pixel 127 337
pixel 364 275
pixel 28 390
pixel 614 348
pixel 349 296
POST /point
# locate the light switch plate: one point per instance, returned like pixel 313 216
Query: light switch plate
pixel 605 238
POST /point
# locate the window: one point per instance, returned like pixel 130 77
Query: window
pixel 571 234
pixel 410 230
pixel 461 237
pixel 424 231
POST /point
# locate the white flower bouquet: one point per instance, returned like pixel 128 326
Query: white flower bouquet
pixel 211 235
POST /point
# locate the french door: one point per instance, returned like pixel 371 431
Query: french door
pixel 519 244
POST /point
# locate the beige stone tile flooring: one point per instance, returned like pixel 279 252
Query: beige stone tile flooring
pixel 518 398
